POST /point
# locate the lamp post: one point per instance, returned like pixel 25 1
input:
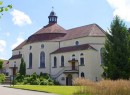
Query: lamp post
pixel 14 71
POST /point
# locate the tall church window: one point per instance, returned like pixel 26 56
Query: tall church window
pixel 62 61
pixel 81 59
pixel 55 61
pixel 30 60
pixel 101 54
pixel 82 75
pixel 42 60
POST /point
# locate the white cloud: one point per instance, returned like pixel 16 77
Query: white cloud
pixel 2 45
pixel 121 8
pixel 20 18
pixel 19 41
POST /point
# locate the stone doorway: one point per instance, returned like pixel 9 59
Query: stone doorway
pixel 69 79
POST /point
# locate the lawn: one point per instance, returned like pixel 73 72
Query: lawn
pixel 61 90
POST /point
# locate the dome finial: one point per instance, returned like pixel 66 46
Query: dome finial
pixel 52 8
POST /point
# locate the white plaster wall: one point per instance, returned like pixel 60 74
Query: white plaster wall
pixel 83 40
pixel 92 68
pixel 49 47
pixel 16 52
pixel 17 62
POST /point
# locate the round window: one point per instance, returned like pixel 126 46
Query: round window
pixel 77 43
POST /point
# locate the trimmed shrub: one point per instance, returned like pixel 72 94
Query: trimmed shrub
pixel 34 79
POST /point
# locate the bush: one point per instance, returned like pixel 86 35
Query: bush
pixel 19 78
pixel 34 79
pixel 2 78
pixel 56 82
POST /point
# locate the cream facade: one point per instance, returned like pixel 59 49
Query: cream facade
pixel 64 54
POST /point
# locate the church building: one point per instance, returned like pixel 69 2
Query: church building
pixel 63 54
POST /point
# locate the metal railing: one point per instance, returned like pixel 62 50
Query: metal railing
pixel 66 68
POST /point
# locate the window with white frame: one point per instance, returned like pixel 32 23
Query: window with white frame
pixel 101 55
pixel 82 59
pixel 62 61
pixel 42 60
pixel 55 61
pixel 30 60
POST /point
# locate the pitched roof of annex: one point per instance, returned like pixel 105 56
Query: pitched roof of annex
pixel 74 48
pixel 16 57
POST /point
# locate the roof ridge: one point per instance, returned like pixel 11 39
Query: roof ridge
pixel 80 26
pixel 91 29
pixel 101 29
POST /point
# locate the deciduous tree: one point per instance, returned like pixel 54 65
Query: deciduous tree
pixel 4 8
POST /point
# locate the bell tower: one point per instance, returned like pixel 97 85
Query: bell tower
pixel 52 17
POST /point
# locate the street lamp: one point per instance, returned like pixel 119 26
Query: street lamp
pixel 14 72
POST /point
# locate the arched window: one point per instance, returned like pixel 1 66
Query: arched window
pixel 77 43
pixel 55 62
pixel 82 75
pixel 62 61
pixel 30 60
pixel 81 54
pixel 42 60
pixel 30 47
pixel 101 54
pixel 73 57
pixel 81 59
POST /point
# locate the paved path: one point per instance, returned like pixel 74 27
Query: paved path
pixel 11 91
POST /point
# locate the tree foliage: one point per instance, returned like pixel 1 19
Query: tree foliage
pixel 117 51
pixel 1 65
pixel 2 78
pixel 22 69
pixel 4 8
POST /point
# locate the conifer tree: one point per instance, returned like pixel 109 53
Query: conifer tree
pixel 22 69
pixel 117 51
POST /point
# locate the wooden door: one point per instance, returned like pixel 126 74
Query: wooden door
pixel 73 65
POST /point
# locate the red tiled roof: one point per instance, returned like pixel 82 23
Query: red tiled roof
pixel 83 31
pixel 73 48
pixel 20 46
pixel 51 28
pixel 48 32
pixel 16 57
pixel 54 32
pixel 44 37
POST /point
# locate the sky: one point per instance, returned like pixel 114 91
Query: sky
pixel 28 16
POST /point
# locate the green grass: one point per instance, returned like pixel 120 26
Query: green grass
pixel 61 90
